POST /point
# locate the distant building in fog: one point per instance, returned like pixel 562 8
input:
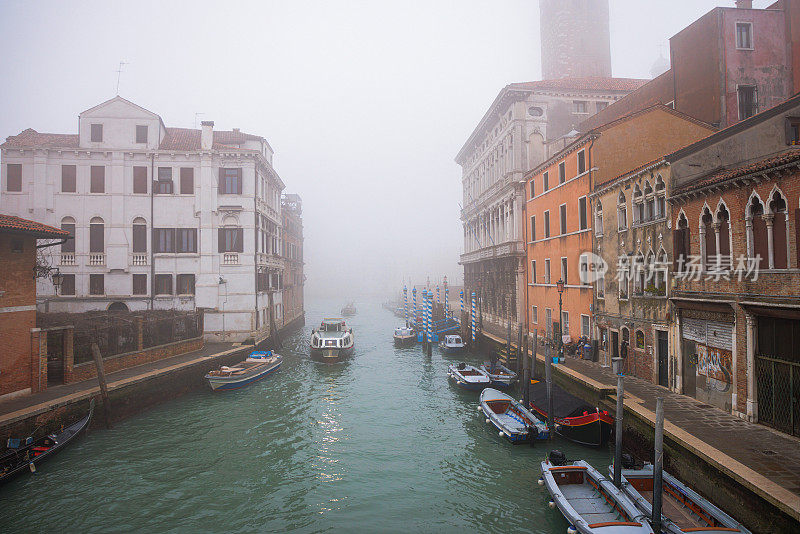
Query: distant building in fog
pixel 575 38
pixel 294 277
pixel 162 217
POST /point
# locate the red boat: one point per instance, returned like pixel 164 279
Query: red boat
pixel 574 419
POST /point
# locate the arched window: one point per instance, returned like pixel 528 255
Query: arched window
pixel 623 275
pixel 639 274
pixel 639 339
pixel 622 212
pixel 68 224
pixel 709 239
pixel 681 241
pixel 598 218
pixel 777 208
pixel 139 238
pixel 661 198
pixel 96 235
pixel 638 205
pixel 759 247
pixel 649 282
pixel 662 265
pixel 723 229
pixel 650 202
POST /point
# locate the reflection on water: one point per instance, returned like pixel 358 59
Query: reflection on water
pixel 381 442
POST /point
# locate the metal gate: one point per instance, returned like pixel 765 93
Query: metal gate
pixel 778 374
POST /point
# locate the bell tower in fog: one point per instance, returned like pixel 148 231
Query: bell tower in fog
pixel 575 38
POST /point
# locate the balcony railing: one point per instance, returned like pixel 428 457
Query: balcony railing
pixel 97 258
pixel 139 259
pixel 67 258
pixel 230 258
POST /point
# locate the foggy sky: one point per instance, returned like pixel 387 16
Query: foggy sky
pixel 366 103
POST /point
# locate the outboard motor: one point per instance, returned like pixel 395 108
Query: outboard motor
pixel 628 461
pixel 557 457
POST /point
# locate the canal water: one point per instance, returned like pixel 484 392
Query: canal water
pixel 380 443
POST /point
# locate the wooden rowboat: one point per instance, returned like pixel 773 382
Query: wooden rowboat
pixel 588 500
pixel 682 508
pixel 501 375
pixel 17 460
pixel 257 366
pixel 468 377
pixel 511 418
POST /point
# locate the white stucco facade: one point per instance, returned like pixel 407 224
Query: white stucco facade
pixel 219 244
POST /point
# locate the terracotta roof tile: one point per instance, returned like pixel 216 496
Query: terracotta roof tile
pixel 592 83
pixel 185 139
pixel 31 138
pixel 750 168
pixel 13 224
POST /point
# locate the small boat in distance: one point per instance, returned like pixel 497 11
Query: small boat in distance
pixel 501 375
pixel 683 509
pixel 18 459
pixel 258 365
pixel 468 376
pixel 511 418
pixel 451 344
pixel 333 342
pixel 590 502
pixel 404 337
pixel 349 310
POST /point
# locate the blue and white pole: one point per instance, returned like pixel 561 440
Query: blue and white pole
pixel 430 317
pixel 446 296
pixel 438 299
pixel 414 297
pixel 461 296
pixel 405 303
pixel 473 317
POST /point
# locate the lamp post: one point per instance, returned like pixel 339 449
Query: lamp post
pixel 57 278
pixel 560 287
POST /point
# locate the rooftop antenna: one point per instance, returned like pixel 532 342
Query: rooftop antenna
pixel 196 115
pixel 119 73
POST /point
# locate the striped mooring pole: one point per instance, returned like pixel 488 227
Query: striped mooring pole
pixel 414 297
pixel 473 317
pixel 438 299
pixel 430 317
pixel 405 303
pixel 446 296
pixel 461 296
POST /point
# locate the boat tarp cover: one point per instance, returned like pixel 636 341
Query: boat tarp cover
pixel 564 404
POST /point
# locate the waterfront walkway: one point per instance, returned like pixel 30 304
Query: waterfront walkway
pixel 755 455
pixel 12 410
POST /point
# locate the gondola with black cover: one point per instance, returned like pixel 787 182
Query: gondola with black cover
pixel 574 419
pixel 26 457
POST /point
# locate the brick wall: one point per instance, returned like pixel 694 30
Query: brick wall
pixel 17 290
pixel 87 370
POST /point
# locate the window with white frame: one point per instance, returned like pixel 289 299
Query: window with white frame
pixel 548 317
pixel 533 271
pixel 744 35
pixel 535 314
pixel 661 198
pixel 564 270
pixel 564 323
pixel 585 325
pixel 598 218
pixel 622 212
pixel 600 287
pixel 638 205
pixel 547 270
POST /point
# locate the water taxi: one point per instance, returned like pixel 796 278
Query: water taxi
pixel 332 342
pixel 451 344
pixel 404 336
pixel 349 310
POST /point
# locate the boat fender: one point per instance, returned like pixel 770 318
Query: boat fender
pixel 500 433
pixel 32 467
pixel 480 409
pixel 487 419
pixel 571 530
pixel 540 481
pixel 551 504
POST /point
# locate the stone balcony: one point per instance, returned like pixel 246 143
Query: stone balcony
pixel 509 248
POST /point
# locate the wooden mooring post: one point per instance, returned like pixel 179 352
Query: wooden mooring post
pixel 548 379
pixel 658 465
pixel 101 378
pixel 617 367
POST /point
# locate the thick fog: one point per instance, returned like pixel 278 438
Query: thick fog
pixel 366 103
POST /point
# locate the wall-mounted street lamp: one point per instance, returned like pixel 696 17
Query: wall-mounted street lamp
pixel 58 279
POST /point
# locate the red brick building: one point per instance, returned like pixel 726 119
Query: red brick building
pixel 748 64
pixel 23 359
pixel 736 219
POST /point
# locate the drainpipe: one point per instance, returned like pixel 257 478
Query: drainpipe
pixel 255 238
pixel 152 233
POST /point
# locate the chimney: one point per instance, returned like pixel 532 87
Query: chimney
pixel 207 135
pixel 744 4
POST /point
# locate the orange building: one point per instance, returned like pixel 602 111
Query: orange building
pixel 557 210
pixel 23 360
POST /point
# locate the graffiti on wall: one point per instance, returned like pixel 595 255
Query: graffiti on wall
pixel 715 364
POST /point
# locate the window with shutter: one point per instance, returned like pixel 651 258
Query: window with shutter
pixel 97 284
pixel 582 213
pixel 187 181
pixel 141 134
pixel 163 240
pixel 163 186
pixel 140 180
pixel 163 284
pixel 67 284
pixel 97 133
pixel 139 238
pixel 96 237
pixel 186 240
pixel 140 284
pixel 563 213
pixel 562 172
pixel 185 284
pixel 230 181
pixel 14 177
pixel 231 240
pixel 68 182
pixel 69 244
pixel 98 179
